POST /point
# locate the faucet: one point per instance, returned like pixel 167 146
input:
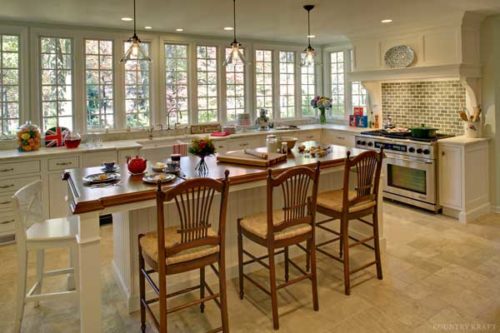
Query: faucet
pixel 150 131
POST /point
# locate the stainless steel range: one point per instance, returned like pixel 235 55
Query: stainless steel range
pixel 410 167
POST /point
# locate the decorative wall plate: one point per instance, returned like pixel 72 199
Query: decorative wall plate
pixel 399 56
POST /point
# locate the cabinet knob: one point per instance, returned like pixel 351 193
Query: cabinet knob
pixel 442 153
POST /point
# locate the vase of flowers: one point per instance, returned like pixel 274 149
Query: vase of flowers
pixel 322 103
pixel 202 147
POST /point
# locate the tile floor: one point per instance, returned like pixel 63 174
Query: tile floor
pixel 439 276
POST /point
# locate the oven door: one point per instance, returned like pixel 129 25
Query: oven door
pixel 410 177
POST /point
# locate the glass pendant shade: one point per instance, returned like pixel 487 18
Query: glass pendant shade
pixel 135 51
pixel 309 55
pixel 235 57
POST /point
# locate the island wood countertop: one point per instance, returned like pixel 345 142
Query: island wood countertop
pixel 132 189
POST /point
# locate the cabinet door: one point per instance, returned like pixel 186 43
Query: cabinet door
pixel 243 143
pixel 450 176
pixel 310 136
pixel 339 138
pixel 221 146
pixel 124 153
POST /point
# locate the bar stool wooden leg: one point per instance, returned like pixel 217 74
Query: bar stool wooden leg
pixel 240 260
pixel 286 264
pixel 377 245
pixel 202 288
pixel 40 266
pixel 311 248
pixel 344 226
pixel 21 289
pixel 142 289
pixel 274 294
pixel 223 296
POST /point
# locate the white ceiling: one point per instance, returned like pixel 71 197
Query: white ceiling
pixel 285 20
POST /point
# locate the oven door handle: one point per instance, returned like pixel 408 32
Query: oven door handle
pixel 408 159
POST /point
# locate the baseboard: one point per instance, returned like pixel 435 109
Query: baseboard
pixel 472 214
pixel 495 209
pixel 119 280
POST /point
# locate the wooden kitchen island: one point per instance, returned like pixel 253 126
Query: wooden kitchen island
pixel 132 204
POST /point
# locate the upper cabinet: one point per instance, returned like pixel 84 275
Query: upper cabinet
pixel 451 50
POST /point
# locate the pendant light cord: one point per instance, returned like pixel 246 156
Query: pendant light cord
pixel 135 24
pixel 308 27
pixel 234 21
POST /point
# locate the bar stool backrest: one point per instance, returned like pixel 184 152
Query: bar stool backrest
pixel 367 166
pixel 27 205
pixel 299 202
pixel 193 199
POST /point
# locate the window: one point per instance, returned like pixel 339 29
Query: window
pixel 337 83
pixel 287 84
pixel 206 59
pixel 57 82
pixel 264 80
pixel 235 89
pixel 9 84
pixel 99 83
pixel 176 79
pixel 308 88
pixel 137 86
pixel 359 95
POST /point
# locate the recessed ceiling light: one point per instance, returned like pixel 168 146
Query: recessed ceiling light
pixel 386 21
pixel 179 30
pixel 127 19
pixel 311 36
pixel 148 27
pixel 228 28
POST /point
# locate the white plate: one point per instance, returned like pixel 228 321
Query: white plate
pixel 154 178
pixel 101 178
pixel 399 56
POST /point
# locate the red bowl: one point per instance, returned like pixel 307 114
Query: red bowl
pixel 72 143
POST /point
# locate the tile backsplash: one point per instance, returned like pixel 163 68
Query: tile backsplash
pixel 433 103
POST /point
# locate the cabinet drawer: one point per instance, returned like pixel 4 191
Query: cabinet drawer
pixel 16 168
pixel 7 224
pixel 56 164
pixel 11 185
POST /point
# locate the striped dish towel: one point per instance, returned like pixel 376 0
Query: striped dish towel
pixel 180 148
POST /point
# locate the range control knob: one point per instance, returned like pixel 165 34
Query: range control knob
pixel 363 143
pixel 358 142
pixel 419 151
pixel 427 151
pixel 370 144
pixel 411 150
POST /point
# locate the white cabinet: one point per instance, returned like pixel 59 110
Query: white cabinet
pixel 221 146
pixel 14 175
pixel 245 143
pixel 123 154
pixel 340 138
pixel 464 177
pixel 58 188
pixel 314 135
pixel 92 159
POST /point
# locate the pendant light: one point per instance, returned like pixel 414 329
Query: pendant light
pixel 309 51
pixel 135 51
pixel 235 56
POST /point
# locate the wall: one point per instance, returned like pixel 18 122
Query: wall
pixel 490 58
pixel 433 103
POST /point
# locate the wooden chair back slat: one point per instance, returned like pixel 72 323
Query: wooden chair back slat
pixel 27 205
pixel 367 166
pixel 193 199
pixel 299 188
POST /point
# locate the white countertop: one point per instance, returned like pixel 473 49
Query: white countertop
pixel 139 143
pixel 463 140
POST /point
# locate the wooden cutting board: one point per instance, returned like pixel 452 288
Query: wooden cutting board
pixel 240 157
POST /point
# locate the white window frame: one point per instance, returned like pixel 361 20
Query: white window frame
pixel 188 46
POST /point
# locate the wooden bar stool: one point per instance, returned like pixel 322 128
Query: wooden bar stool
pixel 345 205
pixel 282 228
pixel 191 245
pixel 33 232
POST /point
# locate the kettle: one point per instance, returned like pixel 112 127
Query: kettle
pixel 136 165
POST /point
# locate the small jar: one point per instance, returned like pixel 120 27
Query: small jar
pixel 272 144
pixel 29 137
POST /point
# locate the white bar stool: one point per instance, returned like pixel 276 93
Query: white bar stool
pixel 33 232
